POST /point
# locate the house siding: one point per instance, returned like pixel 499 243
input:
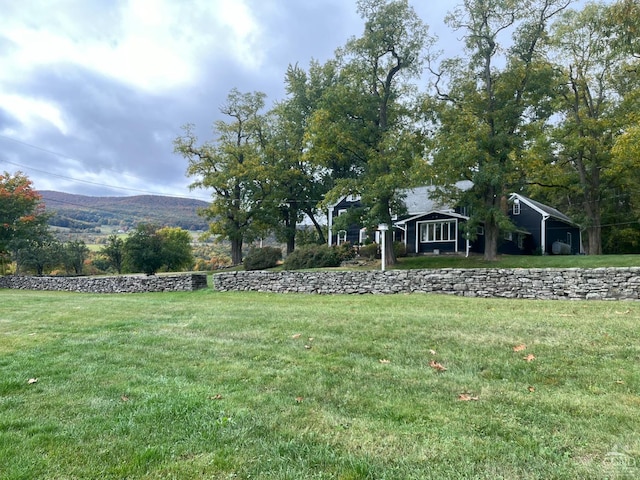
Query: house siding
pixel 415 246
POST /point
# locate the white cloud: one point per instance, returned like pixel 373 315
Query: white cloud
pixel 33 112
pixel 150 44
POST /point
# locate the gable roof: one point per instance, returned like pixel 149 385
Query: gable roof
pixel 449 213
pixel 420 199
pixel 543 209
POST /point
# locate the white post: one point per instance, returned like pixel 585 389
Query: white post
pixel 383 227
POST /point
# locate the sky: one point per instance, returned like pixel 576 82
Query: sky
pixel 93 92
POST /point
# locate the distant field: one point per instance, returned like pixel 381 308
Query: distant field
pixel 248 385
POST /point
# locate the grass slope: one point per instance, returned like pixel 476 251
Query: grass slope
pixel 243 385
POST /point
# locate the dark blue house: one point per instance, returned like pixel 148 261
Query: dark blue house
pixel 540 229
pixel 430 227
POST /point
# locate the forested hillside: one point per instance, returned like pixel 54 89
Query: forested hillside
pixel 85 212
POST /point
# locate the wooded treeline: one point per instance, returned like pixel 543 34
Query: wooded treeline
pixel 542 100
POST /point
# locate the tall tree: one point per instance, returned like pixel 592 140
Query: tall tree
pixel 363 130
pixel 230 166
pixel 177 253
pixel 489 104
pixel 143 250
pixel 590 109
pixel 113 252
pixel 22 214
pixel 74 253
pixel 297 185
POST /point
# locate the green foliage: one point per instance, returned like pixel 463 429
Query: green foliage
pixel 489 107
pixel 232 167
pixel 361 132
pixel 143 250
pixel 309 236
pixel 262 258
pixel 22 215
pixel 148 249
pixel 345 251
pixel 74 254
pixel 177 253
pixel 113 253
pixel 312 256
pixel 400 249
pixel 39 254
pixel 369 251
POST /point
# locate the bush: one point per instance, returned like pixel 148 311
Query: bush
pixel 369 251
pixel 400 249
pixel 261 258
pixel 345 252
pixel 312 256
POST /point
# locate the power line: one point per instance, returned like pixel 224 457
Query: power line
pixel 51 152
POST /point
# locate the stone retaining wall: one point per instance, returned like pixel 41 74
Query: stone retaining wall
pixel 109 284
pixel 534 283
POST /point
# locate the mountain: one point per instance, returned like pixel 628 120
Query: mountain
pixel 85 212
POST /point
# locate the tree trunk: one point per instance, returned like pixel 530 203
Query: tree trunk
pixel 317 226
pixel 594 239
pixel 291 242
pixel 491 232
pixel 389 252
pixel 236 251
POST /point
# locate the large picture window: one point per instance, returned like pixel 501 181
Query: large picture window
pixel 440 231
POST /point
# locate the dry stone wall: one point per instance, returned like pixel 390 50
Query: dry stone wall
pixel 547 283
pixel 109 284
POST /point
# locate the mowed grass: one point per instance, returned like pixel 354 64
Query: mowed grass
pixel 250 385
pixel 519 261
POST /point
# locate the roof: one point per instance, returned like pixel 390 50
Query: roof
pixel 424 214
pixel 543 209
pixel 419 200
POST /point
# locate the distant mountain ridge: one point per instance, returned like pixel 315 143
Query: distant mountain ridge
pixel 86 212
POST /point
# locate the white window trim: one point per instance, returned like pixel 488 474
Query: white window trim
pixel 516 208
pixel 451 223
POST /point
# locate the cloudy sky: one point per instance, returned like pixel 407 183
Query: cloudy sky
pixel 93 92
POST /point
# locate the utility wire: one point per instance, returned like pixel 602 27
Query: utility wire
pixel 51 152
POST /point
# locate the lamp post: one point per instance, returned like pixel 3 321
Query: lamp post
pixel 383 227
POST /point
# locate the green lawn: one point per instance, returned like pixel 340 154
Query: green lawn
pixel 520 261
pixel 249 385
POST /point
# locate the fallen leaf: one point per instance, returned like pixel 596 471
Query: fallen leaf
pixel 530 358
pixel 466 397
pixel 519 348
pixel 311 339
pixel 308 347
pixel 297 335
pixel 623 313
pixel 385 360
pixel 620 382
pixel 217 396
pixel 531 389
pixel 433 352
pixel 31 381
pixel 299 399
pixel 437 366
pixel 124 398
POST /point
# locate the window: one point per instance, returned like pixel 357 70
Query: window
pixel 342 211
pixel 508 236
pixel 480 230
pixel 441 231
pixel 342 237
pixel 516 207
pixel 569 238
